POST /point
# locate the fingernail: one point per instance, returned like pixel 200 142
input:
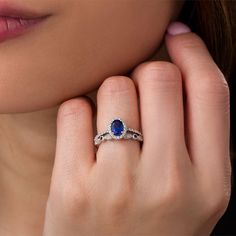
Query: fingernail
pixel 177 27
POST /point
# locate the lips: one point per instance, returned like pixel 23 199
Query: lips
pixel 15 21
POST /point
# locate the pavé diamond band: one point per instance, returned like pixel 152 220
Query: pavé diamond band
pixel 117 129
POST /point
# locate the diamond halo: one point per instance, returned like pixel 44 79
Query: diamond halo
pixel 114 127
pixel 117 129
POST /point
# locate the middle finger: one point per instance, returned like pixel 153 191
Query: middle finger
pixel 161 108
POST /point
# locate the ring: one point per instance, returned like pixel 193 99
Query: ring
pixel 117 129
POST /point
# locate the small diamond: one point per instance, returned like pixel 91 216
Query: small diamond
pixel 117 127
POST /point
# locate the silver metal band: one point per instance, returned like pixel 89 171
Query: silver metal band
pixel 117 130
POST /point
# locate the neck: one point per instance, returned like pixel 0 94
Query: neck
pixel 27 144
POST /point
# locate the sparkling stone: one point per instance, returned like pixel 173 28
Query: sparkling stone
pixel 117 127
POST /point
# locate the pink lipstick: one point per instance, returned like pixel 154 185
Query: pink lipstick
pixel 15 21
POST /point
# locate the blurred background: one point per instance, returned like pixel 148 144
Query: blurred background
pixel 227 224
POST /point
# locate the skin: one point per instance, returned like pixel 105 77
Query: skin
pixel 57 57
pixel 29 140
pixel 178 180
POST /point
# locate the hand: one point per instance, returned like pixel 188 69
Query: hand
pixel 177 183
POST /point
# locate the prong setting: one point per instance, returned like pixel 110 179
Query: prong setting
pixel 117 129
pixel 117 123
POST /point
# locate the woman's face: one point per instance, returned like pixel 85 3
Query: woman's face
pixel 77 47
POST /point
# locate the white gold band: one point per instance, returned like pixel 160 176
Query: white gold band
pixel 117 130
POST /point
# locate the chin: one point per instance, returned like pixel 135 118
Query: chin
pixel 19 95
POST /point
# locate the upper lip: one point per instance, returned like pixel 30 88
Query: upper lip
pixel 8 10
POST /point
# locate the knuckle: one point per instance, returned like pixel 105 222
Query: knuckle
pixel 72 201
pixel 217 205
pixel 172 193
pixel 72 107
pixel 214 88
pixel 192 41
pixel 212 85
pixel 217 198
pixel 163 66
pixel 75 204
pixel 116 84
pixel 119 202
pixel 157 72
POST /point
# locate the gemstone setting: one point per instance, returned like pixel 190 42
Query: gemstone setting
pixel 117 128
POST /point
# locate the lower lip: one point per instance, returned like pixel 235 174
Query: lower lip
pixel 12 27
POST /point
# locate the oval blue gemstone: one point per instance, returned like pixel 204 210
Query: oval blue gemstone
pixel 117 127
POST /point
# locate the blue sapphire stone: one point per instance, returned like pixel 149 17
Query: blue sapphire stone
pixel 117 127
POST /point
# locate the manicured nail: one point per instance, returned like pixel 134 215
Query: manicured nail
pixel 177 27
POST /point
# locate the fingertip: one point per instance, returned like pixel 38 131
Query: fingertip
pixel 75 106
pixel 177 31
pixel 75 134
pixel 176 28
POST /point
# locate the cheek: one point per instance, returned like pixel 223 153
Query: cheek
pixel 76 49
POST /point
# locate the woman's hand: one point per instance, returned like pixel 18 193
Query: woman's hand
pixel 177 182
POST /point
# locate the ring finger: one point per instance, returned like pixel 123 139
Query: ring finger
pixel 117 98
